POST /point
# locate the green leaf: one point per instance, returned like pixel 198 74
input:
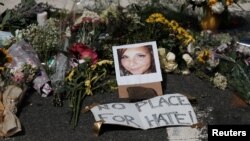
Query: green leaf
pixel 5 19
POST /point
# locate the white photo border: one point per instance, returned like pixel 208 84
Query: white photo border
pixel 138 79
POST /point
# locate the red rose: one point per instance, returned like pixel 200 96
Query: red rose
pixel 82 51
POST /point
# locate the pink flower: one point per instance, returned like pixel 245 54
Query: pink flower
pixel 82 51
pixel 86 19
pixel 18 77
pixel 90 20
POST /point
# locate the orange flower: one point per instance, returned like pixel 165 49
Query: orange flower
pixel 4 57
pixel 229 2
pixel 212 2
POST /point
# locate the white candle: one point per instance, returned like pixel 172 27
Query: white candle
pixel 42 18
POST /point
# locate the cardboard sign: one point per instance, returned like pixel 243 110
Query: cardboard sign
pixel 165 110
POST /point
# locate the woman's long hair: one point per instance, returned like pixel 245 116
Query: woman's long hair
pixel 124 72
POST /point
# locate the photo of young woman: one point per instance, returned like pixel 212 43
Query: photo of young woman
pixel 137 63
pixel 136 60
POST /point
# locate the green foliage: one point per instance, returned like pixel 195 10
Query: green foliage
pixel 84 80
pixel 240 81
pixel 44 39
pixel 24 14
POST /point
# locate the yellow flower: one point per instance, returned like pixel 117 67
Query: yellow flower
pixel 155 17
pixel 203 56
pixel 88 91
pixel 166 21
pixel 149 20
pixel 160 19
pixel 87 83
pixel 181 31
pixel 1 68
pixel 182 34
pixel 189 39
pixel 100 63
pixel 71 74
pixel 174 24
pixel 179 37
pixel 88 87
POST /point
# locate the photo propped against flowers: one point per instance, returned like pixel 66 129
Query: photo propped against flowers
pixel 137 63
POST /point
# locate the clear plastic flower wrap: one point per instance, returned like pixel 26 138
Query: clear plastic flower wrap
pixel 23 53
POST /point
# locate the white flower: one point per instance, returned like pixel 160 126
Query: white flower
pixel 18 34
pixel 170 56
pixel 190 47
pixel 222 47
pixel 68 32
pixel 185 72
pixel 220 81
pixel 188 59
pixel 87 13
pixel 218 8
pixel 170 66
pixel 162 51
pixel 111 10
pixel 213 61
pixel 243 50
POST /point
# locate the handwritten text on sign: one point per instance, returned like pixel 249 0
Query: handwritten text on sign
pixel 165 110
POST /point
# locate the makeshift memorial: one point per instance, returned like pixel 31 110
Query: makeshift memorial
pixel 86 42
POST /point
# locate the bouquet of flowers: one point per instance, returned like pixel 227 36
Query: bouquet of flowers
pixel 86 76
pixel 13 84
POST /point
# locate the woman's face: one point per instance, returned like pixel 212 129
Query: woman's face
pixel 136 60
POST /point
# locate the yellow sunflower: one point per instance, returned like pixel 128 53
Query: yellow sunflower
pixel 203 56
